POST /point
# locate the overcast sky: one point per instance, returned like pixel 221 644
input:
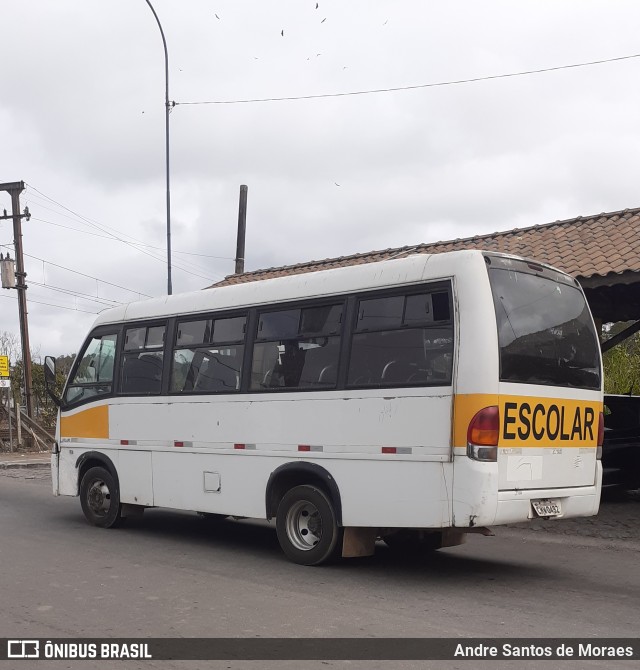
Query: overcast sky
pixel 82 123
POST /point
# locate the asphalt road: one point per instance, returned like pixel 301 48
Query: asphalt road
pixel 172 574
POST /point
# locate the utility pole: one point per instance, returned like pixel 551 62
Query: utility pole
pixel 14 189
pixel 242 229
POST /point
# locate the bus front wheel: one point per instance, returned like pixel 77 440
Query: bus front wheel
pixel 307 526
pixel 100 498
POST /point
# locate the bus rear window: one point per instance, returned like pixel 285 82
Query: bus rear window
pixel 545 331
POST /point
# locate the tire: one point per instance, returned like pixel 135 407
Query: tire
pixel 307 526
pixel 414 542
pixel 100 498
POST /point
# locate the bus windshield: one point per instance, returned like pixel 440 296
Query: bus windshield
pixel 545 331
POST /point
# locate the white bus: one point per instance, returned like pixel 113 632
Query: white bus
pixel 410 400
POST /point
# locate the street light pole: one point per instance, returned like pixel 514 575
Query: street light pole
pixel 167 109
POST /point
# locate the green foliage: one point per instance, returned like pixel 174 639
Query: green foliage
pixel 622 363
pixel 45 409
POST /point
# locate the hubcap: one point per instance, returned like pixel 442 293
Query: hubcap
pixel 304 525
pixel 99 498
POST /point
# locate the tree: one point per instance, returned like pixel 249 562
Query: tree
pixel 9 345
pixel 45 410
pixel 622 363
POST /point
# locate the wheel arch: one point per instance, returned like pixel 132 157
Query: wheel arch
pixel 91 459
pixel 293 474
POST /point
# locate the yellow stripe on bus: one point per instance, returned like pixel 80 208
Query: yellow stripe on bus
pixel 529 421
pixel 92 422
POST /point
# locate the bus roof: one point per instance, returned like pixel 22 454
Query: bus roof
pixel 391 272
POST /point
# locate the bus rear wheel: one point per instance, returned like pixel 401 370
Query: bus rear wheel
pixel 307 526
pixel 100 498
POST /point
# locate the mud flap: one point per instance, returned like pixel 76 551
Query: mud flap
pixel 358 542
pixel 452 537
pixel 128 511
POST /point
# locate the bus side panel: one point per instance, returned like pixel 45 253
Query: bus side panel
pixel 351 421
pixel 135 473
pixel 475 492
pixel 400 494
pixel 475 502
pixel 396 494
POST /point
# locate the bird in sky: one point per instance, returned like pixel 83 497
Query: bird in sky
pixel 323 20
pixel 282 33
pixel 217 17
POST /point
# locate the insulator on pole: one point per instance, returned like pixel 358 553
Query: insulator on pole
pixel 8 271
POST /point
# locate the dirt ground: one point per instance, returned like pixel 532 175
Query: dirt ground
pixel 618 520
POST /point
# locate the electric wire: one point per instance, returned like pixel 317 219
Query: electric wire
pixel 394 89
pixel 108 302
pixel 107 237
pixel 104 228
pixel 78 218
pixel 124 288
pixel 37 302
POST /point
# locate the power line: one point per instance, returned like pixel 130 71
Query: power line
pixel 77 217
pixel 83 296
pixel 84 219
pixel 105 228
pixel 89 276
pixel 108 237
pixel 37 302
pixel 410 88
pixel 124 288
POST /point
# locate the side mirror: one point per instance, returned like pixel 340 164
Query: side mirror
pixel 50 379
pixel 49 370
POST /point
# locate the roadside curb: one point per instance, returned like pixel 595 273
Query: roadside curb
pixel 33 464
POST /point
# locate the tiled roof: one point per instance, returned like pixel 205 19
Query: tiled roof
pixel 585 247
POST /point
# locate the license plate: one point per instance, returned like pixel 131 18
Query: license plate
pixel 547 507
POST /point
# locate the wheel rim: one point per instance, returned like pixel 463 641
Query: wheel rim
pixel 304 525
pixel 99 498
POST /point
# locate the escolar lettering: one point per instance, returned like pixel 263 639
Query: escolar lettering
pixel 522 421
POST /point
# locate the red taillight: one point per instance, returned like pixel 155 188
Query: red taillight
pixel 484 428
pixel 600 429
pixel 483 434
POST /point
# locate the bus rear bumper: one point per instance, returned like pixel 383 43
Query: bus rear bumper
pixel 516 506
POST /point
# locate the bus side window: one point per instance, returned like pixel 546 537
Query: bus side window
pixel 207 356
pixel 297 349
pixel 94 374
pixel 142 360
pixel 402 341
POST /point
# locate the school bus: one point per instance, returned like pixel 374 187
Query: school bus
pixel 411 400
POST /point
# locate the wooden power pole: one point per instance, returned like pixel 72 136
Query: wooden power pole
pixel 14 189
